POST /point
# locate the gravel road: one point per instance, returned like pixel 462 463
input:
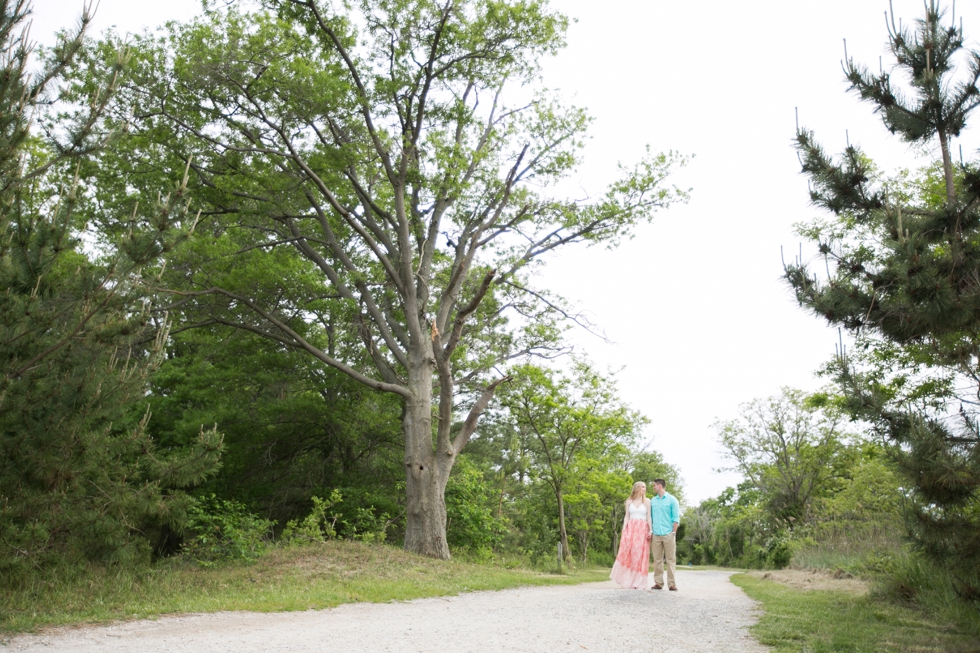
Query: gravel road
pixel 707 614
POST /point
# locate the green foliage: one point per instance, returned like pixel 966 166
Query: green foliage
pixel 854 525
pixel 594 501
pixel 869 502
pixel 317 526
pixel 80 476
pixel 732 530
pixel 583 446
pixel 815 492
pixel 340 267
pixel 367 524
pixel 224 530
pixel 291 429
pixel 350 185
pixel 791 448
pixel 470 506
pixel 294 434
pixel 649 465
pixel 905 255
pixel 570 425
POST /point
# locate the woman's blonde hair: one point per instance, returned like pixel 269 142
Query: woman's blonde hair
pixel 639 491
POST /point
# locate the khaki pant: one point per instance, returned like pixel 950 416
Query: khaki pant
pixel 664 547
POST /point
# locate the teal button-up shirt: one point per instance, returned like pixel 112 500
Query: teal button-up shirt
pixel 665 511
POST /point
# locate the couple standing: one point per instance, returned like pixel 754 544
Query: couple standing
pixel 648 521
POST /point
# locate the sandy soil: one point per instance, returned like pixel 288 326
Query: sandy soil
pixel 707 614
pixel 815 579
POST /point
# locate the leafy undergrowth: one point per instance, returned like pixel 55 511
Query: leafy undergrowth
pixel 832 621
pixel 312 577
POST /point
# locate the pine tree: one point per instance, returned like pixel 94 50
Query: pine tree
pixel 903 266
pixel 79 477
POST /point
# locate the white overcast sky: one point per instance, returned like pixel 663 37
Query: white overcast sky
pixel 699 318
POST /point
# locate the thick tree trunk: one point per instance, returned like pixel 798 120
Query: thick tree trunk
pixel 425 473
pixel 425 528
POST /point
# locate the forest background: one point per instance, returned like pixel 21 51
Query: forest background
pixel 241 440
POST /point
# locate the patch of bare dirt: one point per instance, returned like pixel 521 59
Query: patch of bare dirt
pixel 815 579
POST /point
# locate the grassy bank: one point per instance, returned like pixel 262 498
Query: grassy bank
pixel 843 620
pixel 319 576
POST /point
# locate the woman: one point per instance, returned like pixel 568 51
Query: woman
pixel 633 562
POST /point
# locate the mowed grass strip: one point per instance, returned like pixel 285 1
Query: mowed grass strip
pixel 314 577
pixel 840 621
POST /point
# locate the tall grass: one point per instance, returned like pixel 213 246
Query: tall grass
pixel 861 554
pixel 916 581
pixel 899 576
pixel 827 621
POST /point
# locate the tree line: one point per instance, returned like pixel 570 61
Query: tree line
pixel 272 272
pixel 273 269
pixel 816 487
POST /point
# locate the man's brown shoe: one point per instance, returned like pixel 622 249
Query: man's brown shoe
pixel 673 588
pixel 658 587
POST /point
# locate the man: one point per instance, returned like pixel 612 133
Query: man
pixel 666 517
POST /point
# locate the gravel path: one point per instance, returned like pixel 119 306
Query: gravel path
pixel 707 614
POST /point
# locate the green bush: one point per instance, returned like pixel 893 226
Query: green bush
pixel 315 527
pixel 470 504
pixel 349 521
pixel 778 550
pixel 368 525
pixel 224 530
pixel 698 554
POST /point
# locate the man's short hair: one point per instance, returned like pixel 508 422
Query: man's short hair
pixel 660 481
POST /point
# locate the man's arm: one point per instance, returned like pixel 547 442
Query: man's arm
pixel 675 514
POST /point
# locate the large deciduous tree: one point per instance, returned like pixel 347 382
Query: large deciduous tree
pixel 905 262
pixel 401 154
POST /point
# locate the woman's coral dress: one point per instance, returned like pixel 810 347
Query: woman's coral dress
pixel 633 562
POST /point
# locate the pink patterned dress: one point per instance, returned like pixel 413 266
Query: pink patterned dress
pixel 633 562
